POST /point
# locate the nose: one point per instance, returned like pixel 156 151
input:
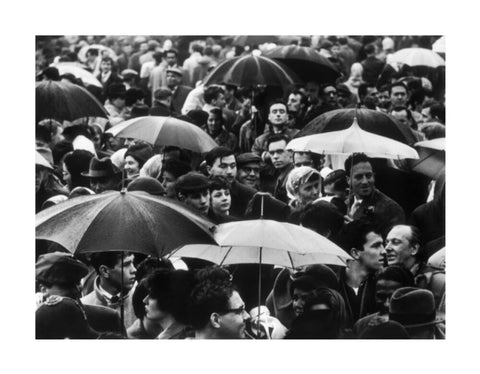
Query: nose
pixel 145 300
pixel 245 316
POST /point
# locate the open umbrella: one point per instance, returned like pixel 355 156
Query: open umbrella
pixel 132 221
pixel 158 130
pixel 42 161
pixel 243 40
pixel 431 161
pixel 369 120
pixel 418 57
pixel 78 71
pixel 252 71
pixel 306 62
pixel 65 101
pixel 82 53
pixel 439 45
pixel 352 140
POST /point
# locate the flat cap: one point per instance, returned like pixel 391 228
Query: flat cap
pixel 59 268
pixel 192 182
pixel 246 158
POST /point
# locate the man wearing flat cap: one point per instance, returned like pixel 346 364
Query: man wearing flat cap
pixel 193 190
pixel 59 274
pixel 103 175
pixel 179 92
pixel 248 169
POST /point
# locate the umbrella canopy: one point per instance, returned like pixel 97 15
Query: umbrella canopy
pixel 79 72
pixel 158 130
pixel 82 54
pixel 65 101
pixel 439 45
pixel 418 57
pixel 306 62
pixel 243 40
pixel 431 161
pixel 42 161
pixel 369 120
pixel 114 221
pixel 352 140
pixel 251 71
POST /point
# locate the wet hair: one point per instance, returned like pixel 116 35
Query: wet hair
pixel 321 217
pixel 171 290
pixel 355 159
pixel 176 168
pixel 217 152
pixel 354 234
pixel 109 259
pixel 211 93
pixel 277 101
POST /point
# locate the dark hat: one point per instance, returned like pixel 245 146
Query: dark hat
pixel 334 176
pixel 116 90
pixel 386 330
pixel 101 168
pixel 192 182
pixel 175 70
pixel 139 110
pixel 315 276
pixel 141 152
pixel 162 93
pixel 61 318
pixel 413 307
pixel 198 117
pixel 59 268
pixel 343 88
pixel 246 158
pixel 147 184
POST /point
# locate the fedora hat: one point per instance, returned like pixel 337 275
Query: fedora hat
pixel 413 307
pixel 99 168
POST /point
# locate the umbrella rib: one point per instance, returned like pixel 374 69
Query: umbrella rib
pixel 291 259
pixel 225 257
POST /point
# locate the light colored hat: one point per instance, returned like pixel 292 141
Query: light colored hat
pixel 297 177
pixel 388 43
pixel 325 171
pixel 82 142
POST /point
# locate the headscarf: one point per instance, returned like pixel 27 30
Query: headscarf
pixel 298 177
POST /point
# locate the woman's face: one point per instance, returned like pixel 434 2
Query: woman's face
pixel 168 182
pixel 221 201
pixel 131 166
pixel 152 311
pixel 308 192
pixel 97 138
pixel 214 124
pixel 67 177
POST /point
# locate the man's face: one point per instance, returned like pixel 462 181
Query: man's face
pixel 398 96
pixel 249 174
pixel 171 59
pixel 401 117
pixel 233 323
pixel 398 247
pixel 330 95
pixel 221 200
pixel 373 251
pixel 224 166
pixel 372 93
pixel 298 299
pixel 128 272
pixel 219 101
pixel 279 155
pixel 199 200
pixel 214 124
pixel 127 49
pixel 98 185
pixel 294 103
pixel 302 159
pixel 168 182
pixel 383 99
pixel 426 116
pixel 119 103
pixel 312 91
pixel 105 66
pixel 229 93
pixel 278 114
pixel 173 79
pixel 384 291
pixel 362 181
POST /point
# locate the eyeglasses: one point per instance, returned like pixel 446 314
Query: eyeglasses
pixel 248 170
pixel 238 310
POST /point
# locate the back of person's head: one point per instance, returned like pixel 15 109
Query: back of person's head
pixel 78 161
pixel 51 73
pixel 353 160
pixel 141 152
pixel 217 152
pixel 437 111
pixel 397 273
pixel 323 218
pixel 219 182
pixel 158 57
pixel 149 264
pixel 176 168
pixel 211 93
pixel 197 47
pixel 354 234
pixel 369 49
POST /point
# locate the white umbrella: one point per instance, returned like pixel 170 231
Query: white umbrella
pixel 432 158
pixel 439 45
pixel 437 144
pixel 158 130
pixel 418 57
pixel 352 140
pixel 79 72
pixel 42 161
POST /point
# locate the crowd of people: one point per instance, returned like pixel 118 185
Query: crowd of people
pixel 389 218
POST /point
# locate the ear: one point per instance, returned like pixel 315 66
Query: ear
pixel 215 320
pixel 354 253
pixel 104 271
pixel 415 249
pixel 208 169
pixel 180 196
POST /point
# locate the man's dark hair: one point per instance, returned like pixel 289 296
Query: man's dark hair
pixel 171 290
pixel 397 273
pixel 211 93
pixel 197 47
pixel 369 49
pixel 277 101
pixel 322 217
pixel 276 138
pixel 107 59
pixel 171 50
pixel 303 97
pixel 218 113
pixel 437 110
pixel 209 296
pixel 363 89
pixel 158 57
pixel 325 85
pixel 219 182
pixel 175 167
pixel 397 84
pixel 354 159
pixel 354 234
pixel 109 259
pixel 217 152
pixel 92 51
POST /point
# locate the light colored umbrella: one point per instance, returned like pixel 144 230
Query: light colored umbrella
pixel 437 144
pixel 79 72
pixel 42 161
pixel 158 130
pixel 352 140
pixel 82 54
pixel 431 161
pixel 439 45
pixel 418 57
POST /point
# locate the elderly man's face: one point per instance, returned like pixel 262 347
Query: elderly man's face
pixel 224 166
pixel 362 181
pixel 398 247
pixel 249 174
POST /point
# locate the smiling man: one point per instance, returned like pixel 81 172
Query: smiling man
pixel 367 202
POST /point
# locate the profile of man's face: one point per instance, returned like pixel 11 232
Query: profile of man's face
pixel 225 167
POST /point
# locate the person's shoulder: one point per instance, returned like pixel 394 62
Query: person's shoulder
pixel 100 310
pixel 90 299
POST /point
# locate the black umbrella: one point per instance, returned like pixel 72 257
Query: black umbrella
pixel 65 101
pixel 252 71
pixel 369 120
pixel 243 40
pixel 306 62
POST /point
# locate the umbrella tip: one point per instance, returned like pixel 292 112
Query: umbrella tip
pixel 123 191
